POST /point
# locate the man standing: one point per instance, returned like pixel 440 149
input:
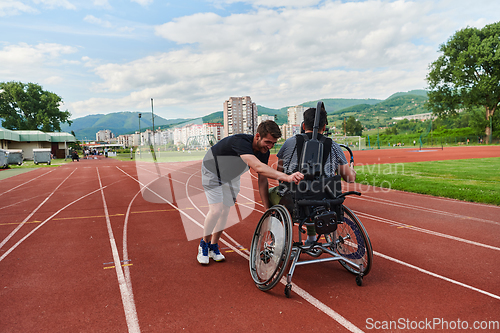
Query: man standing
pixel 221 169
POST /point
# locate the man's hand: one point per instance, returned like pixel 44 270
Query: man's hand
pixel 295 177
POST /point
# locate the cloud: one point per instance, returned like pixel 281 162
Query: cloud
pixel 143 2
pixel 56 3
pixel 34 63
pixel 268 3
pixel 97 21
pixel 11 7
pixel 284 56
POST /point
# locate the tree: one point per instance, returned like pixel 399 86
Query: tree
pixel 29 107
pixel 353 126
pixel 467 75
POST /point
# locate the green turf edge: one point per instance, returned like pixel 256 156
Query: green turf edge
pixel 474 180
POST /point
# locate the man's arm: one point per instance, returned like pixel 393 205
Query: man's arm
pixel 264 191
pixel 347 172
pixel 265 170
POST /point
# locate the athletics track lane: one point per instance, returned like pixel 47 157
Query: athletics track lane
pixel 58 283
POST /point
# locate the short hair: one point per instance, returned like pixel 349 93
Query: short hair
pixel 269 126
pixel 309 115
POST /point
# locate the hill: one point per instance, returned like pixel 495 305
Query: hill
pixel 365 110
pixel 371 116
pixel 117 122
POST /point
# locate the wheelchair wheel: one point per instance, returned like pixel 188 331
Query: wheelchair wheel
pixel 353 243
pixel 271 246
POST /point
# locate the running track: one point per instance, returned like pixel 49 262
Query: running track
pixel 82 251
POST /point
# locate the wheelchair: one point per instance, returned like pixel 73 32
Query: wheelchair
pixel 320 206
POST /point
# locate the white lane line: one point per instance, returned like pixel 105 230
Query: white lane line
pixel 27 182
pixel 128 278
pixel 430 232
pixel 436 275
pixel 126 294
pixel 423 209
pixel 43 223
pixel 33 212
pixel 313 301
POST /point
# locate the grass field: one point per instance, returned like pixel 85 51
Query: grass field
pixel 475 180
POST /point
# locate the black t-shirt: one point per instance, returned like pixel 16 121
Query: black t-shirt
pixel 224 160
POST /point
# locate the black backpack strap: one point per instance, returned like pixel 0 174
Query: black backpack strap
pixel 327 148
pixel 301 138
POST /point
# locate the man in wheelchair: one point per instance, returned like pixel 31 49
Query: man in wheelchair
pixel 320 176
pixel 315 202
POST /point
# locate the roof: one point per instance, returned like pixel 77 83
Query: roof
pixel 28 136
pixel 61 137
pixel 33 136
pixel 6 134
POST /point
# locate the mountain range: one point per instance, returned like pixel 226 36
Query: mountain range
pixel 365 110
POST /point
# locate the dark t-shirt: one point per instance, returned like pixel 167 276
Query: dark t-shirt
pixel 224 160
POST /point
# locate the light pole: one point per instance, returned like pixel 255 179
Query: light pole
pixel 378 132
pixel 139 129
pixel 153 120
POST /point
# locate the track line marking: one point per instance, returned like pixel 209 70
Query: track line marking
pixel 430 232
pixel 127 297
pixel 13 232
pixel 436 275
pixel 27 182
pixel 43 223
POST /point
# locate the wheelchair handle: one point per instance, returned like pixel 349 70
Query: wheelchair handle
pixel 348 193
pixel 349 150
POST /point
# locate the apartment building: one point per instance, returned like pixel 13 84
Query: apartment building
pixel 104 135
pixel 199 135
pixel 240 116
pixel 296 115
pixel 264 117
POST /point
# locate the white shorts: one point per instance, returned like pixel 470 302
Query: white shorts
pixel 216 191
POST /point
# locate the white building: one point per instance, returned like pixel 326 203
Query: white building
pixel 296 115
pixel 199 135
pixel 104 135
pixel 288 130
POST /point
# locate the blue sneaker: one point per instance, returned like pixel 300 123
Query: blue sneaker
pixel 214 252
pixel 203 253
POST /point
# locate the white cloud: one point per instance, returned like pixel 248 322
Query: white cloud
pixel 97 21
pixel 143 2
pixel 284 56
pixel 12 7
pixel 34 63
pixel 268 3
pixel 56 3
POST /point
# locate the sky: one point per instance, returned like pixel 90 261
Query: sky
pixel 103 56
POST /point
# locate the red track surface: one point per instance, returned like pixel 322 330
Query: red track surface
pixel 435 259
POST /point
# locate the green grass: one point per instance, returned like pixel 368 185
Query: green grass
pixel 30 164
pixel 475 180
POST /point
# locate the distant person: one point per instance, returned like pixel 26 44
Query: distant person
pixel 74 156
pixel 221 169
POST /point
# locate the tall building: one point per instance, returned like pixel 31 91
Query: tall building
pixel 296 115
pixel 240 116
